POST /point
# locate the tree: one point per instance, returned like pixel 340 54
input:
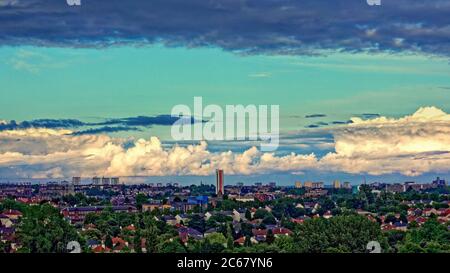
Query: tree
pixel 341 233
pixel 197 222
pixel 140 200
pixel 248 215
pixel 285 244
pixel 44 230
pixel 151 239
pixel 261 214
pixel 269 220
pixel 108 242
pixel 431 237
pixel 270 237
pixel 171 246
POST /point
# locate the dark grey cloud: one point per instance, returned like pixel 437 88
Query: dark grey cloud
pixel 146 121
pixel 316 116
pixel 369 115
pixel 41 123
pixel 106 129
pixel 106 126
pixel 243 26
pixel 338 122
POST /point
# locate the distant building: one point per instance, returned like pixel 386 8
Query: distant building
pixel 176 185
pixel 298 185
pixel 439 182
pixel 240 184
pixel 159 185
pixel 272 184
pixel 106 181
pixel 115 181
pixel 168 184
pixel 347 186
pixel 336 184
pixel 314 185
pixel 96 180
pixel 220 187
pixel 76 180
pixel 258 184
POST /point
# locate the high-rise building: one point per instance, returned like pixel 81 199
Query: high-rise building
pixel 106 180
pixel 336 184
pixel 298 185
pixel 115 181
pixel 439 182
pixel 220 183
pixel 76 180
pixel 96 180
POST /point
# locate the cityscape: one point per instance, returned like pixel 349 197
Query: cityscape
pixel 107 216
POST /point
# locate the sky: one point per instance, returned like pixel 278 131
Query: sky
pixel 363 91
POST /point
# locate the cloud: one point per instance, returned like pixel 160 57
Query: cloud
pixel 410 145
pixel 316 116
pixel 106 129
pixel 122 124
pixel 146 121
pixel 247 27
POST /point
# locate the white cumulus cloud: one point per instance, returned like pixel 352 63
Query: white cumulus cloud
pixel 410 145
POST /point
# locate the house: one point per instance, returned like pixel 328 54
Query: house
pixel 186 233
pixel 119 244
pixel 12 214
pixel 130 228
pixel 208 215
pixel 155 205
pixel 101 249
pixel 210 231
pixel 281 232
pixel 93 243
pixel 181 218
pixel 259 232
pixel 240 241
pixel 5 221
pixel 327 215
pixel 238 215
pixel 429 212
pixel 170 220
pixel 298 220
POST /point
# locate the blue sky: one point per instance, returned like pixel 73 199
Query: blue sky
pixel 128 81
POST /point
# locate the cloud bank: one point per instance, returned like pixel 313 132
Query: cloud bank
pixel 244 26
pixel 411 145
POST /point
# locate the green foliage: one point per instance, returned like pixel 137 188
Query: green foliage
pixel 261 214
pixel 44 230
pixel 140 200
pixel 341 233
pixel 431 237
